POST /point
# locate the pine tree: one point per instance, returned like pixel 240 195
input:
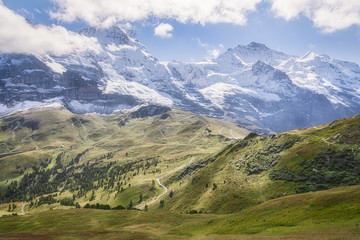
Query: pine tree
pixel 130 206
pixel 92 196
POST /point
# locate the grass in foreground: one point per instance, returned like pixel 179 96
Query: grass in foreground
pixel 331 214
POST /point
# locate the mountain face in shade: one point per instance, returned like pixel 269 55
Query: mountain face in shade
pixel 257 87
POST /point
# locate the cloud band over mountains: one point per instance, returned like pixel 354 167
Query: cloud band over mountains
pixel 17 35
pixel 106 12
pixel 327 15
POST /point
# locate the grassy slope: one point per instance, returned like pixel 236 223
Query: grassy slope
pixel 252 171
pixel 43 134
pixel 252 178
pixel 330 214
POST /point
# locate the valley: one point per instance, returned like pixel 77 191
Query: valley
pixel 155 166
pixel 180 119
pixel 108 158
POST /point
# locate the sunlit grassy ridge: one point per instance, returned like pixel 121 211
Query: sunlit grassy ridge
pixel 109 159
pixel 258 169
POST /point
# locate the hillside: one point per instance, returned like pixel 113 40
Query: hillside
pixel 131 157
pixel 302 184
pixel 111 159
pixel 257 169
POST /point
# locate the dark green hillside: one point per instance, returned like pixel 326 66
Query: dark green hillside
pixel 257 169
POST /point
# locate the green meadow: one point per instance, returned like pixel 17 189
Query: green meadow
pixel 68 176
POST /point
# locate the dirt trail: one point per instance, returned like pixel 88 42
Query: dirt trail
pixel 180 120
pixel 326 141
pixel 142 205
pixel 23 208
pixel 232 134
pixel 220 131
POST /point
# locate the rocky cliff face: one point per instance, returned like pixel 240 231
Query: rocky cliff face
pixel 252 85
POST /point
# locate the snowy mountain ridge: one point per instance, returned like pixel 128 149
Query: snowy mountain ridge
pixel 251 85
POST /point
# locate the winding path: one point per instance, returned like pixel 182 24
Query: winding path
pixel 220 131
pixel 23 208
pixel 142 205
pixel 232 135
pixel 326 141
pixel 180 120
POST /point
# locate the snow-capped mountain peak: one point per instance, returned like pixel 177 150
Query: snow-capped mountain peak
pixel 309 55
pixel 113 34
pixel 255 46
pixel 251 84
pixel 254 52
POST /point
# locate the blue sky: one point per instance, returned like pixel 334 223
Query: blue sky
pixel 290 28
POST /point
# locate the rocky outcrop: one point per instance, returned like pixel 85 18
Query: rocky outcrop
pixel 77 88
pixel 148 111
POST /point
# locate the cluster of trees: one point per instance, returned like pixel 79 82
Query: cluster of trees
pixel 107 206
pixel 78 157
pixel 51 200
pixel 79 179
pixel 330 168
pixel 98 206
pixel 12 207
pixel 46 200
pixel 193 211
pixel 67 202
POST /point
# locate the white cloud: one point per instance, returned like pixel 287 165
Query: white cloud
pixel 212 52
pixel 201 44
pixel 19 36
pixel 107 12
pixel 328 15
pixel 163 30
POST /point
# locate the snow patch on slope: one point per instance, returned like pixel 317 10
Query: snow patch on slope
pixel 137 90
pixel 26 105
pixel 217 93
